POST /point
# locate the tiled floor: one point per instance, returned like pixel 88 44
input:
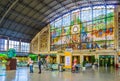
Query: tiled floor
pixel 22 74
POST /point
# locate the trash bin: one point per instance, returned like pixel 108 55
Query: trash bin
pixel 60 68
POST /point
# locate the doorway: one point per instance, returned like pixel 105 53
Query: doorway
pixel 62 59
pixel 53 59
pixel 89 59
pixel 106 60
pixel 77 59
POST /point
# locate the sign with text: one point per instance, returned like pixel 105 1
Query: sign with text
pixel 68 60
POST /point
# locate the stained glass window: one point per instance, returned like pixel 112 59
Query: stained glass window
pixel 52 26
pixel 99 12
pixel 58 23
pixel 84 28
pixel 75 17
pixel 86 14
pixel 66 20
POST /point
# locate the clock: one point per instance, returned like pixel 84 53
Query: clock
pixel 75 29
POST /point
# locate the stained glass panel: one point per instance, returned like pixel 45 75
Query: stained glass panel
pixel 84 28
pixel 86 14
pixel 75 17
pixel 66 20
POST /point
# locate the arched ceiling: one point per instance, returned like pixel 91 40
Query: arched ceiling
pixel 23 19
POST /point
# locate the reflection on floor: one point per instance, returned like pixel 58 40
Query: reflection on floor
pixel 98 74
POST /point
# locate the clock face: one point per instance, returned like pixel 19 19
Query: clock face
pixel 75 29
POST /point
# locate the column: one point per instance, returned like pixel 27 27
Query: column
pixel 20 46
pixel 8 43
pixel 58 59
pixel 115 58
pixel 81 59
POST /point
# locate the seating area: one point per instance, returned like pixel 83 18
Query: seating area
pixel 22 64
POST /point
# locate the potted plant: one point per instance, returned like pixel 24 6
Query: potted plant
pixel 83 65
pixel 11 61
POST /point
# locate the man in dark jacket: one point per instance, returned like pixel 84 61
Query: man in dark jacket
pixel 39 65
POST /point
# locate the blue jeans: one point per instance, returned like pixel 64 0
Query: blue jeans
pixel 31 68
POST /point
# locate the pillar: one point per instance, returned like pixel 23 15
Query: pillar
pixel 8 43
pixel 20 46
pixel 81 59
pixel 58 59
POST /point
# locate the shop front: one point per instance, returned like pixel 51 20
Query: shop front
pixel 77 58
pixel 89 60
pixel 106 60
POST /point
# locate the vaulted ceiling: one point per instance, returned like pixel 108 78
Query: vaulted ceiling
pixel 23 19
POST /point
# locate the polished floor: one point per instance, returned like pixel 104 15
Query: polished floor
pixel 97 74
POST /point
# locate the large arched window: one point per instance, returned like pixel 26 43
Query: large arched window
pixel 84 28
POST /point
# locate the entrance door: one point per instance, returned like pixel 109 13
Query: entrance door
pixel 106 60
pixel 62 59
pixel 77 59
pixel 89 59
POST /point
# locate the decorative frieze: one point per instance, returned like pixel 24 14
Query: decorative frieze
pixel 118 30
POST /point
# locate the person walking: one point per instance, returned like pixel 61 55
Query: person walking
pixel 39 65
pixel 30 62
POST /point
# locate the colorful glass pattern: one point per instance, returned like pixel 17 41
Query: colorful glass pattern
pixel 85 28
